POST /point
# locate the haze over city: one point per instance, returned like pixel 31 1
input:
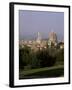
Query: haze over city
pixel 31 22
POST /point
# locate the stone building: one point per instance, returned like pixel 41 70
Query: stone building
pixel 52 39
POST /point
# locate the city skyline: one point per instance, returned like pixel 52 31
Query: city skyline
pixel 31 22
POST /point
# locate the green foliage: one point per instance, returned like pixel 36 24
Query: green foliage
pixel 24 56
pixel 35 62
pixel 60 57
pixel 46 60
pixel 29 59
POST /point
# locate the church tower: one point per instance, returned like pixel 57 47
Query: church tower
pixel 38 40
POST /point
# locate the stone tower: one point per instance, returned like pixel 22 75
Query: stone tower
pixel 38 40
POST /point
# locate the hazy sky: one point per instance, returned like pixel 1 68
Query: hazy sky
pixel 31 22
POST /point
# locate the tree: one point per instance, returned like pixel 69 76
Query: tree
pixel 24 57
pixel 35 63
pixel 60 57
pixel 46 60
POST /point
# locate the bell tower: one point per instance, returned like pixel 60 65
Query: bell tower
pixel 38 38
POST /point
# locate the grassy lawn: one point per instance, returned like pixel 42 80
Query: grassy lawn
pixel 54 71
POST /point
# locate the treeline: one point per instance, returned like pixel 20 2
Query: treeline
pixel 29 59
